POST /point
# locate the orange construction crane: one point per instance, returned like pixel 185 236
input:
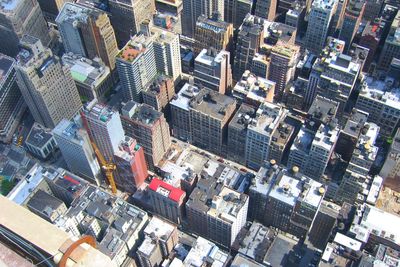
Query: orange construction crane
pixel 108 168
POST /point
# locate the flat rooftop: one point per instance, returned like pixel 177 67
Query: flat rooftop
pixel 185 95
pixel 267 118
pixel 8 5
pixel 212 103
pixel 381 92
pixel 72 12
pixel 135 47
pixel 159 228
pixel 210 57
pixel 202 250
pixel 141 113
pixel 39 136
pixel 243 117
pixel 86 71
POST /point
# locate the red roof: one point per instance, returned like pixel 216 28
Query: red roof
pixel 69 179
pixel 175 194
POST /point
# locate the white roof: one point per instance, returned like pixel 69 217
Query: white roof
pixel 348 242
pixel 288 196
pixel 203 248
pixel 381 223
pixel 25 187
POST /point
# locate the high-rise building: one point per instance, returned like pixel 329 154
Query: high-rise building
pixel 254 90
pixel 237 132
pixel 12 103
pixel 203 252
pixel 19 18
pixel 180 112
pixel 137 66
pixel 92 77
pixel 159 93
pixel 351 21
pixel 150 129
pixel 285 199
pixel 216 212
pixel 372 9
pixel 381 100
pixel 284 58
pixel 167 53
pixel 210 113
pixel 266 9
pixel 125 16
pixel 87 31
pixel 236 10
pixel 391 48
pixel 131 166
pixel 348 136
pixel 213 32
pixel 280 142
pixel 192 9
pixel 160 239
pixel 51 8
pixel 371 38
pixel 259 134
pixel 212 70
pixel 319 22
pixel 167 201
pixel 146 54
pixel 172 10
pixel 46 85
pixel 365 151
pixel 324 224
pixel 76 149
pixel 250 37
pixel 104 127
pixel 313 148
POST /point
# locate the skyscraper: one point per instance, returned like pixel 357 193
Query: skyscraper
pixel 74 144
pixel 319 22
pixel 351 22
pixel 51 8
pixel 136 66
pixel 87 32
pixel 260 132
pixel 131 165
pixel 391 48
pixel 17 18
pixel 266 9
pixel 213 32
pixel 284 58
pixel 213 70
pixel 104 128
pixel 149 127
pixel 192 9
pixel 46 85
pixel 12 104
pixel 125 16
pixel 236 10
pixel 249 40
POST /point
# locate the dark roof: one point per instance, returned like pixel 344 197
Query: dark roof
pixel 44 203
pixel 39 136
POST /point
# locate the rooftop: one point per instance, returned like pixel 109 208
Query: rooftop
pixel 135 47
pixel 44 203
pixel 227 204
pixel 243 117
pixel 323 109
pixel 167 190
pixel 185 95
pixel 356 122
pixel 141 113
pixel 101 112
pixel 241 260
pixel 203 251
pixel 212 103
pixel 324 4
pixel 381 91
pixel 213 24
pixel 284 185
pixel 158 228
pixel 74 13
pixel 210 57
pixel 253 87
pixel 39 136
pixel 8 5
pixel 86 71
pixel 267 118
pixel 279 33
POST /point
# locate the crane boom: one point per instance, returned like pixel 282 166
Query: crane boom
pixel 108 168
